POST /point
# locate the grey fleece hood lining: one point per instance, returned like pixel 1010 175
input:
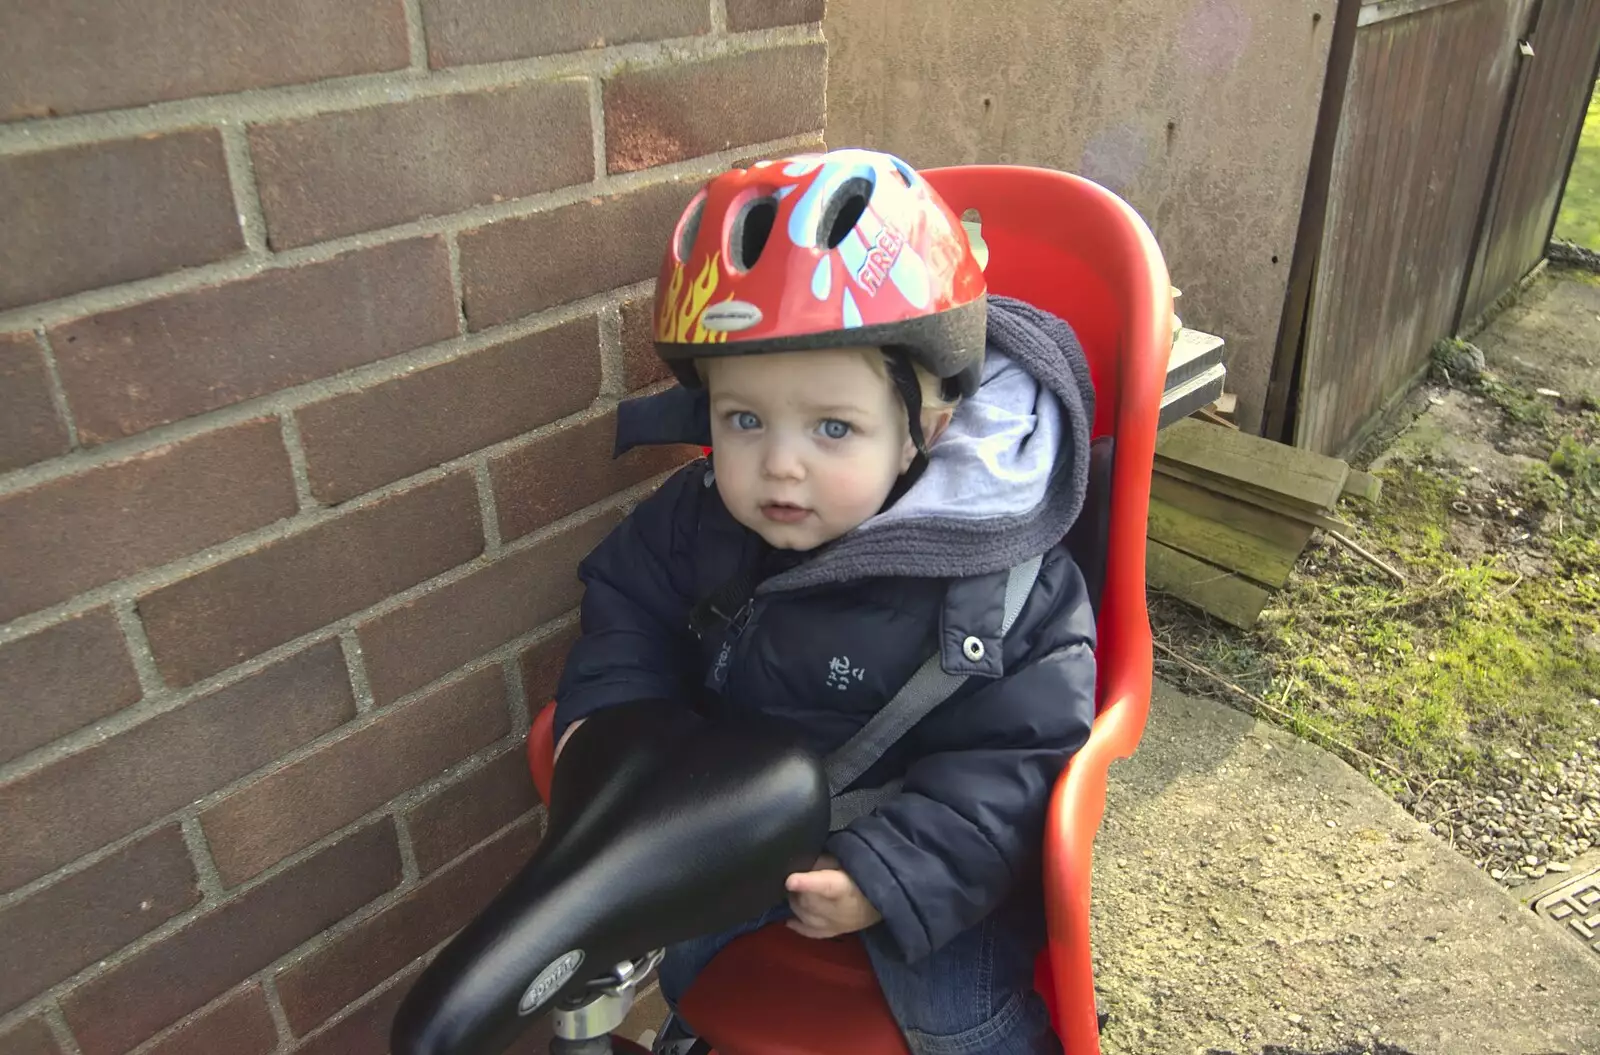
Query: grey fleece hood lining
pixel 995 459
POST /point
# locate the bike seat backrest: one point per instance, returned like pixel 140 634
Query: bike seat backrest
pixel 662 827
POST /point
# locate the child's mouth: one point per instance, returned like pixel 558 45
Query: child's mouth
pixel 784 512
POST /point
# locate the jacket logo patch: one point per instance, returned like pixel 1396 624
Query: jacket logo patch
pixel 840 672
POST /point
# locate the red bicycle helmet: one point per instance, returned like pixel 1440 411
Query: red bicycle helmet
pixel 851 247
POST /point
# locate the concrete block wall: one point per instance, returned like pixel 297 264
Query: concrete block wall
pixel 313 319
pixel 1200 113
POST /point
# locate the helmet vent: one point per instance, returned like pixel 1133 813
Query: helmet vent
pixel 690 229
pixel 751 229
pixel 844 210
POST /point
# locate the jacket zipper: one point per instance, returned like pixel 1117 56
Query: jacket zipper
pixel 737 626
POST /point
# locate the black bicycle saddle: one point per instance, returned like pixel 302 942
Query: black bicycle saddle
pixel 663 826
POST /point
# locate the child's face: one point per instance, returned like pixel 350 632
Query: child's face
pixel 807 445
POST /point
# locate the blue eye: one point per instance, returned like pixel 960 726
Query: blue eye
pixel 835 429
pixel 744 421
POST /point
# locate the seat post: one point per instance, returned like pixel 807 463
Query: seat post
pixel 583 1022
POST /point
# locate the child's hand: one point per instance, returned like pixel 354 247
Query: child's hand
pixel 827 903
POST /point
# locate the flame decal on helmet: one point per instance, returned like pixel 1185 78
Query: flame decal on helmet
pixel 683 306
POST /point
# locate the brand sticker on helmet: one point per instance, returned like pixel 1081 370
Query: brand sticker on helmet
pixel 550 980
pixel 730 316
pixel 880 259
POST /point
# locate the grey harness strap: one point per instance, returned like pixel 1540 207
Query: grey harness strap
pixel 927 688
pixel 853 805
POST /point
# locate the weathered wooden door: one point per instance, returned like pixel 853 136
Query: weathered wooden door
pixel 1450 129
pixel 1426 94
pixel 1547 108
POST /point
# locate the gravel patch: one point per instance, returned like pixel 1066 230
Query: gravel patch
pixel 1519 821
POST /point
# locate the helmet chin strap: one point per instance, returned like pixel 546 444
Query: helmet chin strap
pixel 905 381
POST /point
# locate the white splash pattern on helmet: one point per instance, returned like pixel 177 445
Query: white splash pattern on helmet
pixel 852 314
pixel 910 276
pixel 822 278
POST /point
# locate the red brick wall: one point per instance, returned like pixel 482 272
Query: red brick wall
pixel 313 319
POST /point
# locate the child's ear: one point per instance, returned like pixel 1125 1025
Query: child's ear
pixel 934 422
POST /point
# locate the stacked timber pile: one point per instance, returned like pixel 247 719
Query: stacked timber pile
pixel 1230 514
pixel 1195 375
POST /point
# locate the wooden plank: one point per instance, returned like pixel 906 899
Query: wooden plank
pixel 1281 389
pixel 1294 476
pixel 1207 414
pixel 1375 11
pixel 1226 596
pixel 1276 530
pixel 1244 494
pixel 1193 352
pixel 1364 486
pixel 1219 543
pixel 1342 239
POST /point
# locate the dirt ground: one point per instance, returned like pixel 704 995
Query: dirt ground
pixel 1549 339
pixel 1550 336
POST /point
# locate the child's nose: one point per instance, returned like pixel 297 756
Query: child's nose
pixel 781 461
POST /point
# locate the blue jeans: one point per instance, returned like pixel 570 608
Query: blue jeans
pixel 974 996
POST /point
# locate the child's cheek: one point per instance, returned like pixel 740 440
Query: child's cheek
pixel 858 495
pixel 734 476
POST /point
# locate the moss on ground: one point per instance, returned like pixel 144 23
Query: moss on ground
pixel 1470 656
pixel 1493 643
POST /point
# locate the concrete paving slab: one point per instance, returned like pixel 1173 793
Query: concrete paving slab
pixel 1254 891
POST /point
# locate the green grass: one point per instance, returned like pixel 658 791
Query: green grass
pixel 1479 652
pixel 1579 220
pixel 1471 656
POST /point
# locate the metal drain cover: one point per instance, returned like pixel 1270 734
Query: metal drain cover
pixel 1574 906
